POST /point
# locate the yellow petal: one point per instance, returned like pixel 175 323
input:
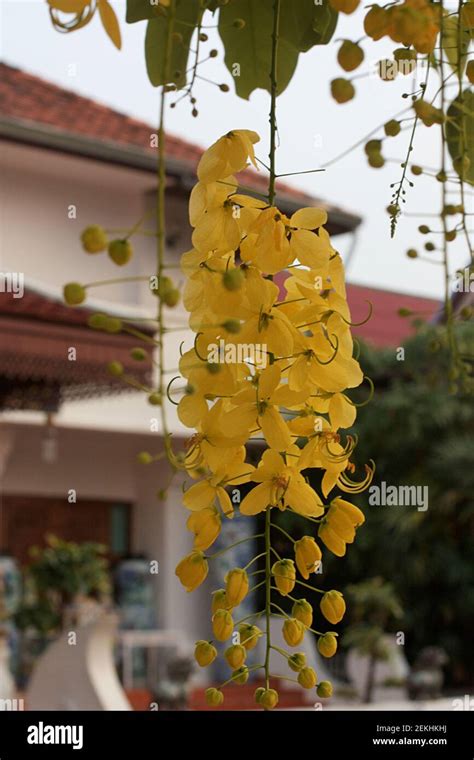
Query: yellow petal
pixel 257 500
pixel 199 496
pixel 275 429
pixel 309 218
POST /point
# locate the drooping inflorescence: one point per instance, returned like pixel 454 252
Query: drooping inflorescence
pixel 268 372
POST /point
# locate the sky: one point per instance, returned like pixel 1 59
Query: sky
pixel 312 128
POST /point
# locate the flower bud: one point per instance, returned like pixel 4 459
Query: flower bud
pixel 324 689
pixel 237 586
pixel 297 661
pixel 333 606
pixel 307 678
pixel 233 279
pixel 204 653
pixel 258 694
pixel 120 251
pixel 214 697
pixel 342 90
pixel 241 675
pixel 249 635
pixel 303 612
pixel 222 625
pixel 235 656
pixel 293 632
pixel 268 699
pixel 307 555
pixel 192 570
pixel 327 645
pixel 94 239
pixel 74 293
pixel 219 600
pixel 285 575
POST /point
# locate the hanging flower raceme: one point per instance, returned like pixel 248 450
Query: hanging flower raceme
pixel 269 371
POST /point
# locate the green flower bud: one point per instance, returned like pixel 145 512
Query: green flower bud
pixel 115 368
pixel 324 689
pixel 120 251
pixel 74 294
pixel 297 661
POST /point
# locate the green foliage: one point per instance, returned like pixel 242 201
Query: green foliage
pixel 247 43
pixel 450 42
pixel 461 117
pixel 302 26
pixel 68 569
pixel 419 434
pixel 187 14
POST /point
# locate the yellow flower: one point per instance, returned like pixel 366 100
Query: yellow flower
pixel 235 656
pixel 222 625
pixel 285 575
pixel 206 526
pixel 274 241
pixel 214 697
pixel 293 632
pixel 229 154
pixel 192 570
pixel 265 324
pixel 297 661
pixel 338 527
pixel 333 606
pixel 327 645
pixel 280 485
pixel 203 494
pixel 259 407
pixel 307 555
pixel 303 612
pixel 249 635
pixel 237 587
pixel 204 653
pixel 307 678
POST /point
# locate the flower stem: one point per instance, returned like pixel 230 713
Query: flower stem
pixel 231 546
pixel 268 581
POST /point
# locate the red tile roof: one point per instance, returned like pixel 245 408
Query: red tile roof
pixel 29 98
pixel 386 327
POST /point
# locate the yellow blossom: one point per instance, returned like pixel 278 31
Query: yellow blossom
pixel 192 570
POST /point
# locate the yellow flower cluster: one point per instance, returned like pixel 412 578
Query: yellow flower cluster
pixel 282 386
pixel 413 22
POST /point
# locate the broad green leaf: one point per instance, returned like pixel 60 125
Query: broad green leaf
pixel 305 24
pixel 139 10
pixel 460 130
pixel 186 19
pixel 450 42
pixel 110 23
pixel 248 50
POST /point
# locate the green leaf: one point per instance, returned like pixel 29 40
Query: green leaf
pixel 450 42
pixel 248 50
pixel 139 10
pixel 302 25
pixel 460 130
pixel 305 24
pixel 186 19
